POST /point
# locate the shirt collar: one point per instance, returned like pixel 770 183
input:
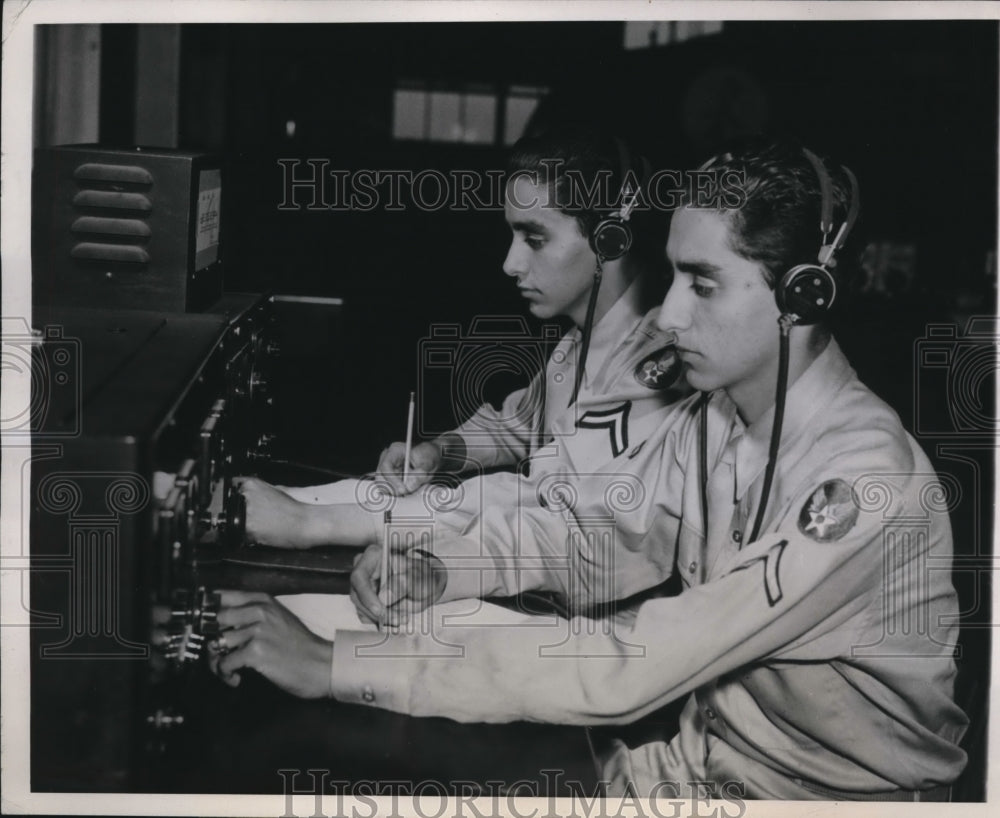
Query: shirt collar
pixel 812 391
pixel 625 311
pixel 617 323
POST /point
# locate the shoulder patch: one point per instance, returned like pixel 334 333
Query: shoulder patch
pixel 829 513
pixel 659 369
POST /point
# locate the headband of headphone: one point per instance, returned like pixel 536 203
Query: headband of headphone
pixel 805 293
pixel 612 236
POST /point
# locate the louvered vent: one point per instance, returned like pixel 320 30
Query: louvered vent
pixel 114 205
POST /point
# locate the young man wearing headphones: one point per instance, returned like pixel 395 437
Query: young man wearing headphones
pixel 580 248
pixel 814 638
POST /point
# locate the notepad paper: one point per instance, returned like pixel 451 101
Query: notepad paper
pixel 325 614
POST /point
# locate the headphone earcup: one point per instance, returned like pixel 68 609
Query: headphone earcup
pixel 611 238
pixel 806 291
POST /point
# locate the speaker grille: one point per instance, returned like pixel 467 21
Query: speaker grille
pixel 122 253
pixel 105 226
pixel 112 200
pixel 125 174
pixel 113 205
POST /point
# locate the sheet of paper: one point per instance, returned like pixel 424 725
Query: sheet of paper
pixel 324 614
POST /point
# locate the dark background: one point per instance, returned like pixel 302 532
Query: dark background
pixel 910 106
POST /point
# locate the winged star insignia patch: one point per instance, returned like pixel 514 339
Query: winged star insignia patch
pixel 829 513
pixel 659 369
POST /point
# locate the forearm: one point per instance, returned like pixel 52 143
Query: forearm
pixel 584 671
pixel 339 524
pixel 512 548
pixel 551 669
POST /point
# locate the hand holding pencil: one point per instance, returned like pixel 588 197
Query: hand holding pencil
pixel 416 580
pixel 403 467
pixel 384 583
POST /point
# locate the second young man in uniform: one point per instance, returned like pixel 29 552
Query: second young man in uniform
pixel 576 442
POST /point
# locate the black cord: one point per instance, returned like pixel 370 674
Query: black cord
pixel 588 325
pixel 785 324
pixel 540 436
pixel 295 464
pixel 703 457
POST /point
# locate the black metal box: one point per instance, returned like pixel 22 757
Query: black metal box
pixel 136 228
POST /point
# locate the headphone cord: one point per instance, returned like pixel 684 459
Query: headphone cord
pixel 588 325
pixel 785 323
pixel 703 458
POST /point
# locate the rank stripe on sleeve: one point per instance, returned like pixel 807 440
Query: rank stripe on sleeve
pixel 772 579
pixel 615 420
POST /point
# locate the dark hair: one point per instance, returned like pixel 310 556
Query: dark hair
pixel 586 171
pixel 777 223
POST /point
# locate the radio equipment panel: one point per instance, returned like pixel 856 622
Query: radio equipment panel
pixel 132 491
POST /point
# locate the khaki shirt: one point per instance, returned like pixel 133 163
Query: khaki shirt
pixel 820 653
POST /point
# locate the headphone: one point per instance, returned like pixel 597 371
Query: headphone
pixel 611 237
pixel 807 291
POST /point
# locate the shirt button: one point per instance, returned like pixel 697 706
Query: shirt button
pixel 693 567
pixel 368 694
pixel 709 713
pixel 737 536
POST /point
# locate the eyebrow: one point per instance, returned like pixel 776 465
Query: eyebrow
pixel 528 226
pixel 698 268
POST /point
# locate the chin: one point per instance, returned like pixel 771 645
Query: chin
pixel 700 381
pixel 540 310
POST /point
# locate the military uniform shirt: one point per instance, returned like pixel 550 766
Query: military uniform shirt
pixel 819 656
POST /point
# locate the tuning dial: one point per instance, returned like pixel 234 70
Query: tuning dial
pixel 231 523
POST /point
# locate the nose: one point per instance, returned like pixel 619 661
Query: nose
pixel 515 263
pixel 674 312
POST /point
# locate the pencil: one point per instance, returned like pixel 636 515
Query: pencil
pixel 383 588
pixel 409 441
pixel 387 518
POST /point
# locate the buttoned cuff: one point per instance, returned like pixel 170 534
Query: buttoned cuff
pixel 372 668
